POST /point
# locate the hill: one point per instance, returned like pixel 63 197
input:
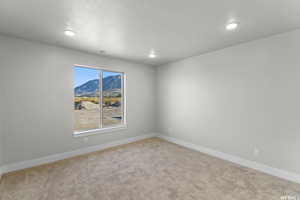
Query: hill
pixel 91 88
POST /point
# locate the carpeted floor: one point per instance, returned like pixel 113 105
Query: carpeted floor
pixel 151 169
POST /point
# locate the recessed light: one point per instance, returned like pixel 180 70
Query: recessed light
pixel 232 26
pixel 152 54
pixel 69 33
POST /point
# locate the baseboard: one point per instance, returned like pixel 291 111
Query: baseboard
pixel 235 159
pixel 61 156
pixel 247 163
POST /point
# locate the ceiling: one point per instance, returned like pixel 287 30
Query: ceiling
pixel 130 29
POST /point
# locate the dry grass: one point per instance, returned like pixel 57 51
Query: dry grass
pixel 106 100
pixel 91 99
pixel 90 119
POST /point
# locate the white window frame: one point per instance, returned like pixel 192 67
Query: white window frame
pixel 100 130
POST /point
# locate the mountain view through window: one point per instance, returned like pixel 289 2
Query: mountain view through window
pixel 98 99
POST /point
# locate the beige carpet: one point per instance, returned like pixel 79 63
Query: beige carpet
pixel 151 169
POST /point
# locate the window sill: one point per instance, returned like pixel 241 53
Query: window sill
pixel 99 131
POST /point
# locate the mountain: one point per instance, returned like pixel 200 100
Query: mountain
pixel 112 83
pixel 91 88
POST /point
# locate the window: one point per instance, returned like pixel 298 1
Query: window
pixel 98 99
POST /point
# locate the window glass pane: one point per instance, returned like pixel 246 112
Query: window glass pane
pixel 86 100
pixel 112 99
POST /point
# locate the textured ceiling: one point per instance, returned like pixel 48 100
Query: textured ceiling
pixel 129 29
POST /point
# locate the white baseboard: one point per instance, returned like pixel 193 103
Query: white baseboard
pixel 247 163
pixel 61 156
pixel 235 159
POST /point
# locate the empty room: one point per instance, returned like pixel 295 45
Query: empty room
pixel 149 100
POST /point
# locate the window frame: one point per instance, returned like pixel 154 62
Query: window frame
pixel 100 130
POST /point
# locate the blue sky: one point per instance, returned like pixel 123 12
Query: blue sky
pixel 83 75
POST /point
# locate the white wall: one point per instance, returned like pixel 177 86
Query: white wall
pixel 1 148
pixel 230 100
pixel 238 98
pixel 1 129
pixel 38 91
